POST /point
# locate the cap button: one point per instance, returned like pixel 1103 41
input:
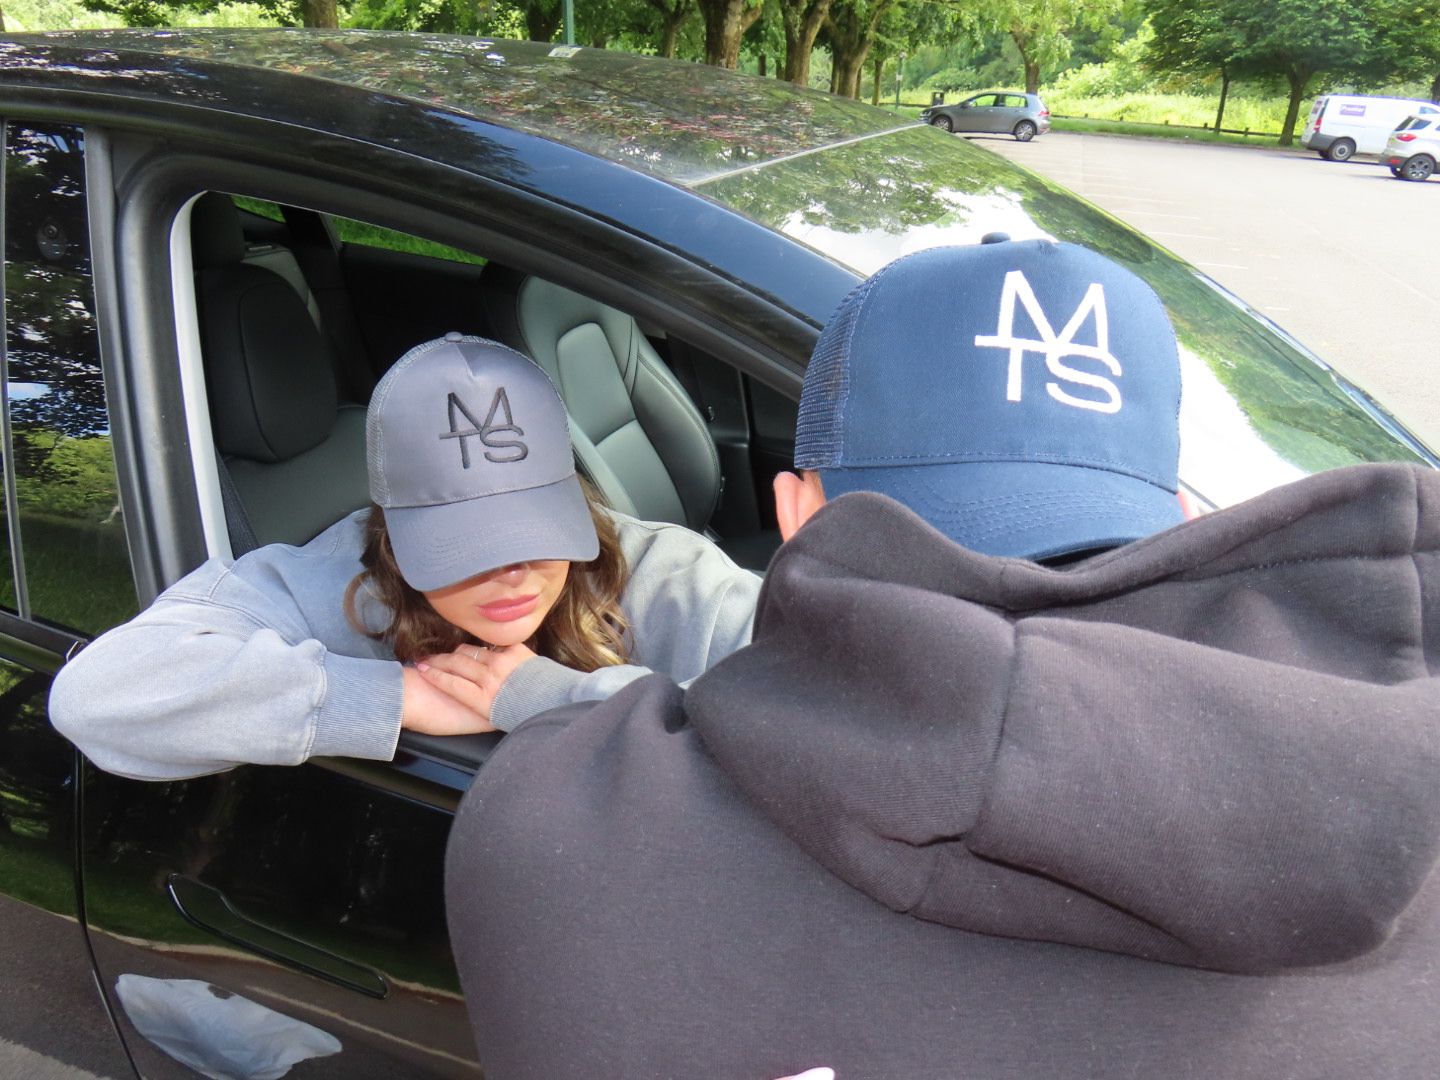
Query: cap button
pixel 454 335
pixel 995 238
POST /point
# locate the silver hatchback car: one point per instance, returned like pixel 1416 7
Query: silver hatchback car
pixel 1005 112
pixel 1413 148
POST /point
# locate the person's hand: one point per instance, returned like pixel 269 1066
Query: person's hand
pixel 472 675
pixel 431 711
pixel 813 1074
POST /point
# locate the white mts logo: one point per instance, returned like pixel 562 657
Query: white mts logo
pixel 1056 348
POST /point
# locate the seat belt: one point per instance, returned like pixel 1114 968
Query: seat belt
pixel 237 522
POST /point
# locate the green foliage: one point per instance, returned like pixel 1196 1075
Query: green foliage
pixel 34 15
pixel 1123 73
pixel 1042 29
pixel 1256 113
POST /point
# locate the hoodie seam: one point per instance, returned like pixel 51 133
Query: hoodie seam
pixel 981 818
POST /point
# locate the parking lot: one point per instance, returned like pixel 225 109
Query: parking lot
pixel 1343 256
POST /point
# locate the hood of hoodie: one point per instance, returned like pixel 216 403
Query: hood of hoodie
pixel 1215 747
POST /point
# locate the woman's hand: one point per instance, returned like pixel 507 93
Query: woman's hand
pixel 431 711
pixel 472 675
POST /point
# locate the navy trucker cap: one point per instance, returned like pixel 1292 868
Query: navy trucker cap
pixel 468 446
pixel 1020 396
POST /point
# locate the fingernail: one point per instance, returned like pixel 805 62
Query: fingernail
pixel 422 666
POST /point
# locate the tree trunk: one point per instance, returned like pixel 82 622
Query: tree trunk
pixel 849 66
pixel 671 19
pixel 802 23
pixel 1224 93
pixel 541 22
pixel 725 24
pixel 1435 89
pixel 1299 79
pixel 764 65
pixel 319 14
pixel 875 90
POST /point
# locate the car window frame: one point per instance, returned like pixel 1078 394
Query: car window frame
pixel 172 491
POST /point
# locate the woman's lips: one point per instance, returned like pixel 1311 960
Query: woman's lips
pixel 509 610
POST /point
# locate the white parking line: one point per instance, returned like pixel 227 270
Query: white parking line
pixel 22 1061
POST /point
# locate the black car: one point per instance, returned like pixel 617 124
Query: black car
pixel 193 219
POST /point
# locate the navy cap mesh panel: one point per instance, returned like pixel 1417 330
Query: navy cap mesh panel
pixel 819 429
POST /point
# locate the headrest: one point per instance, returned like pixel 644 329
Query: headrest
pixel 270 372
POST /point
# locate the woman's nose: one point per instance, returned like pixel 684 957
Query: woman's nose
pixel 513 574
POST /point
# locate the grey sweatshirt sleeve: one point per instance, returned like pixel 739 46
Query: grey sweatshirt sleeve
pixel 689 607
pixel 221 671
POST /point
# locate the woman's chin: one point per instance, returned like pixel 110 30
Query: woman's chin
pixel 503 634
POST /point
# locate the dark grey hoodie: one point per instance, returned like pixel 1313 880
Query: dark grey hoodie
pixel 1171 812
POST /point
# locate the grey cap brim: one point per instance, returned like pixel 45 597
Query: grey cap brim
pixel 1021 509
pixel 442 545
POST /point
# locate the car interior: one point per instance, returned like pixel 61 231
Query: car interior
pixel 300 313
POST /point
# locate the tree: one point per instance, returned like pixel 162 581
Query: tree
pixel 1298 40
pixel 725 24
pixel 1407 40
pixel 316 14
pixel 1040 29
pixel 850 27
pixel 1196 37
pixel 803 21
pixel 673 15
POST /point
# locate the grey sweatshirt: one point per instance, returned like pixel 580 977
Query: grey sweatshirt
pixel 255 662
pixel 1172 812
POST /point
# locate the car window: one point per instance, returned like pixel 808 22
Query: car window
pixel 377 236
pixel 63 492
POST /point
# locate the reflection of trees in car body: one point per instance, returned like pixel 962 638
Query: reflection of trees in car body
pixel 890 185
pixel 64 471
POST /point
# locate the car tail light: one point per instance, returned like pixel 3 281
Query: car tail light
pixel 1044 112
pixel 1405 136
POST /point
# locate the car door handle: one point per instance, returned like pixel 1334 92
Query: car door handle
pixel 210 910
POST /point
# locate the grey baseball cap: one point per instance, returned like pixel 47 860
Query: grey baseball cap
pixel 468 446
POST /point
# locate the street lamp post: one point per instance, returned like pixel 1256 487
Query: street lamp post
pixel 569 22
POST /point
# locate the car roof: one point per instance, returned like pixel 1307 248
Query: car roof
pixel 681 121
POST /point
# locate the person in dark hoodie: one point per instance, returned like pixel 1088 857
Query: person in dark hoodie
pixel 1170 810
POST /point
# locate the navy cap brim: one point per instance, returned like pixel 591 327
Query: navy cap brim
pixel 437 546
pixel 1026 510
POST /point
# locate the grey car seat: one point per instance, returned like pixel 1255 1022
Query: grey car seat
pixel 294 452
pixel 636 432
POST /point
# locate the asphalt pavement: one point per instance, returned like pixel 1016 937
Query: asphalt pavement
pixel 1343 256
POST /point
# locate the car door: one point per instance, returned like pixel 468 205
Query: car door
pixel 64 573
pixel 1010 112
pixel 293 911
pixel 312 893
pixel 980 116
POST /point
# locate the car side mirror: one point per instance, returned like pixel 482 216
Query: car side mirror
pixel 964 104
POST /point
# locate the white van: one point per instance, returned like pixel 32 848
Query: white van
pixel 1343 125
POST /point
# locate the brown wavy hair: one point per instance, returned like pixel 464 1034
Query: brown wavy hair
pixel 585 630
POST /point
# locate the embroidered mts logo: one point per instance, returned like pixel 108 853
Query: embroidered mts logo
pixel 1056 347
pixel 513 449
